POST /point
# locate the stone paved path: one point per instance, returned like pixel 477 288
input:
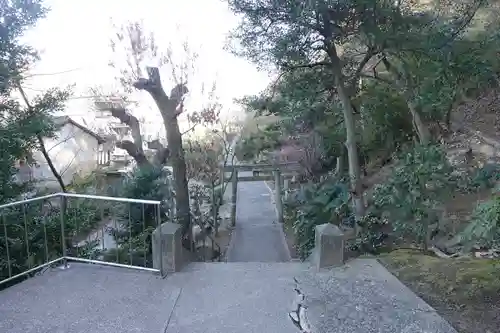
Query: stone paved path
pixel 257 236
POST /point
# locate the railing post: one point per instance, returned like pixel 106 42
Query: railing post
pixel 160 241
pixel 63 232
pixel 277 195
pixel 234 195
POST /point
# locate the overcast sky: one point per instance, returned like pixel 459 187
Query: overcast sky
pixel 74 41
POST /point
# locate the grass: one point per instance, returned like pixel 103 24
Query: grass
pixel 466 292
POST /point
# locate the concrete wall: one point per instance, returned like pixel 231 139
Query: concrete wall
pixel 73 152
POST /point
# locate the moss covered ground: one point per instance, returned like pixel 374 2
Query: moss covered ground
pixel 466 292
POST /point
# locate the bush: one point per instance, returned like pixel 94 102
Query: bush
pixel 315 204
pixel 374 236
pixel 411 198
pixel 484 229
pixel 40 224
pixel 247 149
pixel 137 221
pixel 485 177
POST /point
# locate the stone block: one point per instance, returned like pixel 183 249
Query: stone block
pixel 168 253
pixel 329 246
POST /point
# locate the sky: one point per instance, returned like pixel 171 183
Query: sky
pixel 74 45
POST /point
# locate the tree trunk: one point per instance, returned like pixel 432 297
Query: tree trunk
pixel 174 140
pixel 44 151
pixel 168 107
pixel 423 132
pixel 339 167
pixel 51 165
pixel 352 150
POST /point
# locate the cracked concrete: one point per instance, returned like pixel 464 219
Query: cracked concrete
pixel 363 297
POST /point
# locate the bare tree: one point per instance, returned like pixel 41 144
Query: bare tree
pixel 139 47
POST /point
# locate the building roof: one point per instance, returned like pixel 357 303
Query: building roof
pixel 63 120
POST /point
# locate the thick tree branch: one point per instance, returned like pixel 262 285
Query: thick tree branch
pixel 370 53
pixel 132 149
pixel 155 144
pixel 135 148
pixel 168 106
pixel 311 65
pixel 177 96
pixel 132 122
pixel 378 78
pixel 162 156
pixel 152 84
pixel 162 153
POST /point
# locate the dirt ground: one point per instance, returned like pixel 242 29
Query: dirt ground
pixel 466 292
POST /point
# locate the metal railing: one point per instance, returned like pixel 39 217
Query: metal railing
pixel 49 231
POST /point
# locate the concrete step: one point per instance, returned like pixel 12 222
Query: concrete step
pixel 234 297
pixel 360 297
pixel 88 298
pixel 363 296
pixel 250 297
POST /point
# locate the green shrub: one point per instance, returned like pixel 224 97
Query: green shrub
pixel 137 221
pixel 373 237
pixel 485 177
pixel 411 197
pixel 315 204
pixel 484 227
pixel 33 233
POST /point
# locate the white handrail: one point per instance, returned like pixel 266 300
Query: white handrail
pixel 81 196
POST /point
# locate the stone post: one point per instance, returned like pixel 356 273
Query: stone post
pixel 234 196
pixel 329 246
pixel 168 254
pixel 278 201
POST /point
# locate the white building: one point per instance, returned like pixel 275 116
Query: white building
pixel 76 150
